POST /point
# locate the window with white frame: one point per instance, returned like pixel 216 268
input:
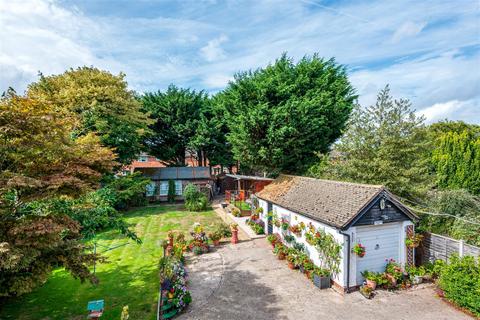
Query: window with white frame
pixel 164 188
pixel 150 189
pixel 178 187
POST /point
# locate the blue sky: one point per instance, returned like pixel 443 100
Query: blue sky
pixel 428 51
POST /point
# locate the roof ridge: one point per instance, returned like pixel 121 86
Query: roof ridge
pixel 337 181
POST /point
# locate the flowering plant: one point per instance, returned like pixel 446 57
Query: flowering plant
pixel 296 230
pixel 173 282
pixel 284 223
pixel 359 250
pixel 413 241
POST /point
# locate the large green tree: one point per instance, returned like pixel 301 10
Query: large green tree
pixel 176 117
pixel 102 103
pixel 385 144
pixel 210 138
pixel 281 116
pixel 456 155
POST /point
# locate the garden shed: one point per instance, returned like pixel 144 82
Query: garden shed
pixel 352 213
pixel 157 190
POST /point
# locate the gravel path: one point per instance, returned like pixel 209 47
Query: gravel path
pixel 245 281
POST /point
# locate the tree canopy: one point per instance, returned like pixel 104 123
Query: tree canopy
pixel 176 115
pixel 40 159
pixel 281 116
pixel 102 103
pixel 456 156
pixel 384 144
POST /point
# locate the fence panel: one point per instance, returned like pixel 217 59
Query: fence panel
pixel 435 246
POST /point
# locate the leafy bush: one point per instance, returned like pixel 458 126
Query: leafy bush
pixel 460 281
pixel 127 191
pixel 195 200
pixel 223 229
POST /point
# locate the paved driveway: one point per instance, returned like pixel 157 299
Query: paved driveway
pixel 246 281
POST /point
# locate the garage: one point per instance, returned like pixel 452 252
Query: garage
pixel 353 214
pixel 381 242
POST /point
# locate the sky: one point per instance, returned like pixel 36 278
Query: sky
pixel 428 51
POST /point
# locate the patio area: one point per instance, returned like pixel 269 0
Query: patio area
pixel 246 281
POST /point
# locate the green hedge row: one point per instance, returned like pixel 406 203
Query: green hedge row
pixel 460 281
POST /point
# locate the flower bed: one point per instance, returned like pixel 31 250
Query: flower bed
pixel 173 280
pixel 257 225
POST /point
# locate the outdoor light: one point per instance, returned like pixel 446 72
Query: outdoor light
pixel 382 204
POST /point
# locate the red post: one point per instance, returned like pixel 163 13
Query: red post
pixel 234 236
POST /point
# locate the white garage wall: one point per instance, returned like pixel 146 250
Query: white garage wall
pixel 295 218
pixel 400 255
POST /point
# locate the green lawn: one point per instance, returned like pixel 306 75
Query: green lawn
pixel 242 205
pixel 130 277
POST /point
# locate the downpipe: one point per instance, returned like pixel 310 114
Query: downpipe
pixel 348 259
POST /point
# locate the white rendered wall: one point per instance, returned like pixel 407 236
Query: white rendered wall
pixel 295 218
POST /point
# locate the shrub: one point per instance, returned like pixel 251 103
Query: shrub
pixel 127 191
pixel 223 229
pixel 171 191
pixel 460 281
pixel 195 200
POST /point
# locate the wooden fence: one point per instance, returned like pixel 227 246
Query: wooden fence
pixel 435 246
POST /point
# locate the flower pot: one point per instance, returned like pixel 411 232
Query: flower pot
pixel 391 279
pixel 216 242
pixel 234 236
pixel 372 284
pixel 321 282
pixel 307 274
pixel 291 265
pixel 367 294
pixel 417 279
pixel 427 277
pixel 281 256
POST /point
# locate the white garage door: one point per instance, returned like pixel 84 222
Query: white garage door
pixel 381 242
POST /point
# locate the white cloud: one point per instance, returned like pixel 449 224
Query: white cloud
pixel 408 29
pixel 41 36
pixel 213 50
pixel 428 51
pixel 453 110
pixel 426 81
pixel 217 81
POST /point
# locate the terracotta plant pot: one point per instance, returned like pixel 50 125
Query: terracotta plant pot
pixel 307 274
pixel 281 256
pixel 216 242
pixel 391 279
pixel 234 236
pixel 291 265
pixel 372 284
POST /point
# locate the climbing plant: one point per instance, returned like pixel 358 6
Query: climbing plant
pixel 326 245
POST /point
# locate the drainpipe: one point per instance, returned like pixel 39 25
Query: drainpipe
pixel 348 260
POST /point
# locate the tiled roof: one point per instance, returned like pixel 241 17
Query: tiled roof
pixel 332 202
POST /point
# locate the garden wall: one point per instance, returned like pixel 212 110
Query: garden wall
pixel 437 247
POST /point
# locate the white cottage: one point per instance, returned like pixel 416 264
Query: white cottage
pixel 353 213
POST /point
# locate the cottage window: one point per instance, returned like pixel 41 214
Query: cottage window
pixel 150 189
pixel 164 188
pixel 143 159
pixel 178 187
